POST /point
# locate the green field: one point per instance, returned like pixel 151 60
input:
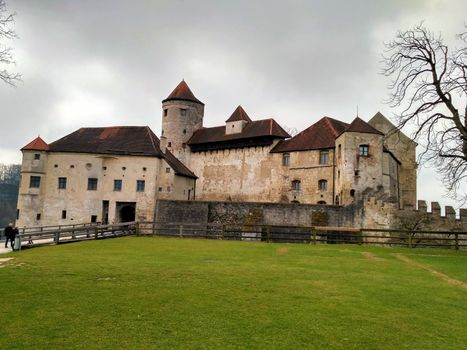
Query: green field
pixel 156 293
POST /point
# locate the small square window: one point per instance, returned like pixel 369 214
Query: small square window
pixel 167 170
pixel 160 189
pixel 165 112
pixel 323 157
pixel 183 112
pixel 35 182
pixel 323 185
pixel 92 184
pixel 364 150
pixel 296 185
pixel 168 188
pixel 37 156
pixel 144 169
pixel 63 214
pixel 140 184
pixel 38 217
pixel 169 144
pixel 117 185
pixel 93 218
pixel 286 159
pixel 62 183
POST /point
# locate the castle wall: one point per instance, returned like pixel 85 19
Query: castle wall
pixel 79 202
pixel 254 174
pixel 366 213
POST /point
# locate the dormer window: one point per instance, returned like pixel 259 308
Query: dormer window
pixel 364 150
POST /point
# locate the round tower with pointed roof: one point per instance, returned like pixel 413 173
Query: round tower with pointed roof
pixel 182 115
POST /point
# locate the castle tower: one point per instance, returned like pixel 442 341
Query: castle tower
pixel 359 159
pixel 182 115
pixel 33 173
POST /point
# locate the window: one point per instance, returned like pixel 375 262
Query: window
pixel 62 183
pixel 92 184
pixel 160 189
pixel 323 185
pixel 184 131
pixel 169 144
pixel 140 185
pixel 165 112
pixel 321 202
pixel 93 218
pixel 296 184
pixel 323 157
pixel 364 150
pixel 38 216
pixel 117 185
pixel 17 214
pixel 352 193
pixel 37 156
pixel 168 188
pixel 104 168
pixel 167 170
pixel 183 112
pixel 63 214
pixel 35 182
pixel 286 159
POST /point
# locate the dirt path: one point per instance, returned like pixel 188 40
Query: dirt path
pixel 3 261
pixel 441 275
pixel 371 256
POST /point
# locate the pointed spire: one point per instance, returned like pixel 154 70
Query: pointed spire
pixel 359 125
pixel 239 114
pixel 36 145
pixel 182 92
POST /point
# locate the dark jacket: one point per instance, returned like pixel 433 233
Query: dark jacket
pixel 9 232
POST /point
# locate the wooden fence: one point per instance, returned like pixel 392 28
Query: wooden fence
pixel 72 233
pixel 265 233
pixel 310 235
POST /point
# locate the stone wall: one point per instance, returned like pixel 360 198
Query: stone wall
pixel 367 213
pixel 247 213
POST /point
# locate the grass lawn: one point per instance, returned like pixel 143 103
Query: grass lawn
pixel 156 293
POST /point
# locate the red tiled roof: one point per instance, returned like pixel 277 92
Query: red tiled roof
pixel 118 140
pixel 178 166
pixel 238 114
pixel 254 129
pixel 182 92
pixel 320 135
pixel 131 140
pixel 359 125
pixel 36 145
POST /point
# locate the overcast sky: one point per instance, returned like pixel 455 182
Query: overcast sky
pixel 103 63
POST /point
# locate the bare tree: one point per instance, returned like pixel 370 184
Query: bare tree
pixel 7 33
pixel 430 83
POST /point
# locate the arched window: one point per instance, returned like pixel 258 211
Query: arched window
pixel 321 202
pixel 323 185
pixel 296 185
pixel 352 193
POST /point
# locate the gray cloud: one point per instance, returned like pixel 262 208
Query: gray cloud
pixel 108 62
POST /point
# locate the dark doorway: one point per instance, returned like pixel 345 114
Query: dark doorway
pixel 105 212
pixel 126 211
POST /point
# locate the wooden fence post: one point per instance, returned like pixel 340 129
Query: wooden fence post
pixel 96 232
pixel 57 237
pixel 268 233
pixel 180 232
pixel 137 228
pixel 313 235
pixel 410 240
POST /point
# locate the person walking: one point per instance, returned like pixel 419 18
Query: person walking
pixel 9 232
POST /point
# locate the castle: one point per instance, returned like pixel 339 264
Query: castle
pixel 118 174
